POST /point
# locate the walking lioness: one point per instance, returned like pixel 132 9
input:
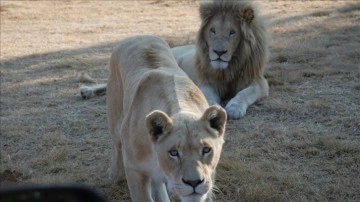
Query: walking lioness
pixel 165 135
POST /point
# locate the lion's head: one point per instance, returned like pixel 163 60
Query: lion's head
pixel 231 42
pixel 188 149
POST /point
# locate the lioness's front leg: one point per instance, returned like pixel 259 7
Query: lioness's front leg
pixel 159 192
pixel 139 186
pixel 237 106
pixel 116 170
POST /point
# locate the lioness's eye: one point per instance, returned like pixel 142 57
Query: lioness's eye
pixel 206 150
pixel 232 32
pixel 212 30
pixel 173 153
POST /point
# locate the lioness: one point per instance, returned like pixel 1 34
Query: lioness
pixel 165 135
pixel 229 57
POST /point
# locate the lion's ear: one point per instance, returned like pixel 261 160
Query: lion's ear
pixel 247 14
pixel 216 117
pixel 157 124
pixel 206 10
pixel 203 2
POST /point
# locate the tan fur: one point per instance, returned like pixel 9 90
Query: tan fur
pixel 160 124
pixel 234 29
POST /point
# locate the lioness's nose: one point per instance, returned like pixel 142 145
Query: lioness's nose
pixel 220 52
pixel 193 183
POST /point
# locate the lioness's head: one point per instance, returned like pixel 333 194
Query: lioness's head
pixel 230 30
pixel 188 149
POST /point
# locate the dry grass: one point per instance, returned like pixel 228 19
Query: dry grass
pixel 302 143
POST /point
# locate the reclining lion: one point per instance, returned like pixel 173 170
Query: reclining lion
pixel 165 135
pixel 229 57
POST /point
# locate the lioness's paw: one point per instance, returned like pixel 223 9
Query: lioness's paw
pixel 116 175
pixel 235 111
pixel 86 92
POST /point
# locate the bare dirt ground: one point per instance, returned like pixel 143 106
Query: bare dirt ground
pixel 302 143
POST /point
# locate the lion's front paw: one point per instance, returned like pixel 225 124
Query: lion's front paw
pixel 86 92
pixel 235 111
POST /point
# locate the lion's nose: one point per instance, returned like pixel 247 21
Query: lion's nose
pixel 220 52
pixel 193 183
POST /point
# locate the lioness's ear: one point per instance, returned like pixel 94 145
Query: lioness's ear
pixel 216 117
pixel 247 14
pixel 157 124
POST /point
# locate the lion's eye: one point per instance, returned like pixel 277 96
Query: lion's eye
pixel 174 153
pixel 206 150
pixel 232 32
pixel 212 30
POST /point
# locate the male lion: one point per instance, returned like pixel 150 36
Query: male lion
pixel 228 60
pixel 165 135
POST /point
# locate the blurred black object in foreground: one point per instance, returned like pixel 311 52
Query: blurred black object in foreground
pixel 50 193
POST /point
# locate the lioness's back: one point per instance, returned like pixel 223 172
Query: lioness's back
pixel 143 51
pixel 148 60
